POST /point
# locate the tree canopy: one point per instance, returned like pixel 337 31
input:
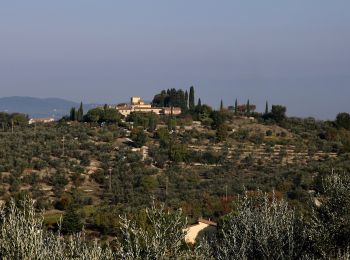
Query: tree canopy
pixel 343 121
pixel 100 115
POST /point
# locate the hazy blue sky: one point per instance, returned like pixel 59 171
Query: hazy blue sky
pixel 294 52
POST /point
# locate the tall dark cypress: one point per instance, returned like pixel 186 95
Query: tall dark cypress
pixel 182 99
pixel 236 106
pixel 80 113
pixel 248 107
pixel 186 99
pixel 221 105
pixel 191 98
pixel 73 114
pixel 266 108
pixel 199 105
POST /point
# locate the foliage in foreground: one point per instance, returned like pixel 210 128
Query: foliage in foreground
pixel 22 236
pixel 261 227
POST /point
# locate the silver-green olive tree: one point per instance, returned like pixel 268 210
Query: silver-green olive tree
pixel 164 239
pixel 330 227
pixel 22 236
pixel 260 228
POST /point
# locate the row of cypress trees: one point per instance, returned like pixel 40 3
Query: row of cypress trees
pixel 176 98
pixel 77 115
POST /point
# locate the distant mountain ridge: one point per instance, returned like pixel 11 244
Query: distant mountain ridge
pixel 40 107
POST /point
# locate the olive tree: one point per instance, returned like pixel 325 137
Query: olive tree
pixel 163 240
pixel 260 228
pixel 330 228
pixel 22 236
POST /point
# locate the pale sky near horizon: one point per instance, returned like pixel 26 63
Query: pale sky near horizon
pixel 291 52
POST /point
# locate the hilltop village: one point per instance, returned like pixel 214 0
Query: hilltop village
pixel 138 105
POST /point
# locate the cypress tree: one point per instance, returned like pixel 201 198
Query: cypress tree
pixel 266 108
pixel 80 112
pixel 248 107
pixel 199 103
pixel 236 106
pixel 186 99
pixel 221 105
pixel 182 99
pixel 73 114
pixel 191 99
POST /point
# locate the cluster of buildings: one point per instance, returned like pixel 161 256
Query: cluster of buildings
pixel 138 105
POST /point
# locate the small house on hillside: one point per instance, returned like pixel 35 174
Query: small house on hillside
pixel 41 120
pixel 202 229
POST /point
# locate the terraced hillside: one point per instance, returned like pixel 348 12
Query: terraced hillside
pixel 114 169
